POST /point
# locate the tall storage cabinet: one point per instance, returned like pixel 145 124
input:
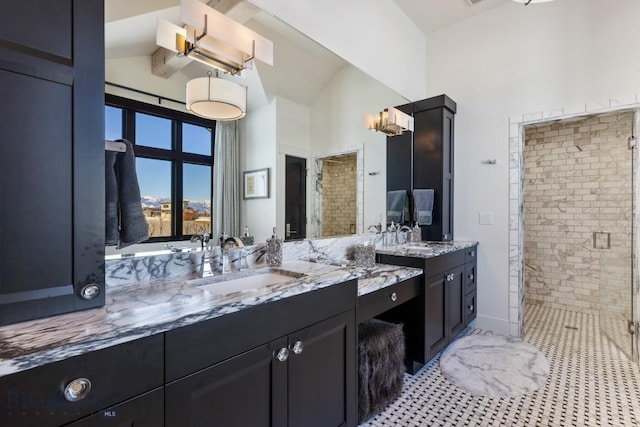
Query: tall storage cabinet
pixel 51 157
pixel 429 153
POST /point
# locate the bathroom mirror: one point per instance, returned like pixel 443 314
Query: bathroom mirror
pixel 310 104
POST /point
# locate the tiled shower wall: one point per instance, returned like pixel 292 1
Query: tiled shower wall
pixel 339 182
pixel 577 181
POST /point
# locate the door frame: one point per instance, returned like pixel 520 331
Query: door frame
pixel 517 126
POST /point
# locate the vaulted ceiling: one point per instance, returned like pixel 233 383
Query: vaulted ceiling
pixel 130 29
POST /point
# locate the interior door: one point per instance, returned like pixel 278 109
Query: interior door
pixel 295 214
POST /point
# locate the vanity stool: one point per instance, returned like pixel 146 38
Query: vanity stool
pixel 380 366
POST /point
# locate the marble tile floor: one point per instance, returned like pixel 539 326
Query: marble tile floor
pixel 591 383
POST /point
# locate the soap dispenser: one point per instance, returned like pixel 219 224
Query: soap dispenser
pixel 274 250
pixel 416 233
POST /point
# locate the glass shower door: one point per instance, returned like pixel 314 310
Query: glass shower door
pixel 615 235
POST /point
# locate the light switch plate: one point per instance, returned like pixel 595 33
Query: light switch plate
pixel 485 218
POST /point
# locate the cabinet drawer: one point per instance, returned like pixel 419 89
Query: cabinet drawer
pixel 471 253
pixel 374 303
pixel 37 396
pixel 198 346
pixel 470 277
pixel 470 307
pixel 438 264
pixel 146 410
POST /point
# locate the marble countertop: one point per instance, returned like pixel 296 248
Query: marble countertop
pixel 424 249
pixel 138 310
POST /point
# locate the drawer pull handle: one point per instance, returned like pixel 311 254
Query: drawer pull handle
pixel 282 354
pixel 89 291
pixel 297 347
pixel 471 276
pixel 393 297
pixel 77 389
pixel 471 308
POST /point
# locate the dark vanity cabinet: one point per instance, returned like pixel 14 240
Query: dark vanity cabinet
pixel 470 280
pixel 446 306
pixel 51 157
pixel 267 365
pixel 423 159
pixel 115 386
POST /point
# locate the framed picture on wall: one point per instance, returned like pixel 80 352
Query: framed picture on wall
pixel 256 184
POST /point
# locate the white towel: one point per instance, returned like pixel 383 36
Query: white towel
pixel 423 206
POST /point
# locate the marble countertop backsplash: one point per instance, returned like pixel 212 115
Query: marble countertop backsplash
pixel 135 309
pixel 146 295
pixel 424 249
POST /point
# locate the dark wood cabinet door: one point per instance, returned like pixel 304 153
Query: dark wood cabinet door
pixel 455 300
pixel 246 390
pixel 146 410
pixel 51 157
pixel 435 311
pixel 322 374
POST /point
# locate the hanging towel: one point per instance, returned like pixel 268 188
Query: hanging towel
pixel 423 206
pixel 124 220
pixel 397 206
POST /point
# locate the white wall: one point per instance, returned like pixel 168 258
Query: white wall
pixel 375 37
pixel 514 60
pixel 135 72
pixel 258 151
pixel 338 124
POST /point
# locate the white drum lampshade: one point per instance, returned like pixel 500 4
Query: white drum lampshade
pixel 217 99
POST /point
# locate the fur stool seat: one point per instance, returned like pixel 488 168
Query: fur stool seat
pixel 381 366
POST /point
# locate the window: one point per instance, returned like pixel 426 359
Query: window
pixel 174 163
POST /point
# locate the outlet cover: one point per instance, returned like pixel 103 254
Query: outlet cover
pixel 485 218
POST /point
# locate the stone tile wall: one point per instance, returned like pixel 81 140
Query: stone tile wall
pixel 339 181
pixel 577 181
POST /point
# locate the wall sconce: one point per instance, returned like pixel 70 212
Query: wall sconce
pixel 391 122
pixel 214 39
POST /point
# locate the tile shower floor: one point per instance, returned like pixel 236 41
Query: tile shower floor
pixel 591 383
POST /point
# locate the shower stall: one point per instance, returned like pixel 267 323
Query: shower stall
pixel 580 220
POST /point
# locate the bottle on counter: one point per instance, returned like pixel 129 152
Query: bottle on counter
pixel 274 250
pixel 246 238
pixel 416 233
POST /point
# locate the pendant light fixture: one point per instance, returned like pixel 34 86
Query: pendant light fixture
pixel 215 98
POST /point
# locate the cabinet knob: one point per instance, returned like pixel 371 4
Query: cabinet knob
pixel 450 277
pixel 393 297
pixel 470 308
pixel 77 389
pixel 472 253
pixel 89 291
pixel 471 276
pixel 297 347
pixel 282 354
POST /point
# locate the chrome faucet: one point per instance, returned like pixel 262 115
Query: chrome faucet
pixel 204 270
pixel 226 244
pixel 404 230
pixel 377 228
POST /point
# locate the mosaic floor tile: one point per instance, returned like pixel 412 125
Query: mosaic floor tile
pixel 591 383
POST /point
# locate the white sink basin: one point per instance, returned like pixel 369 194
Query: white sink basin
pixel 245 281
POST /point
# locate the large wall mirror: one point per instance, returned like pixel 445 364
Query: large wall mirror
pixel 310 105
